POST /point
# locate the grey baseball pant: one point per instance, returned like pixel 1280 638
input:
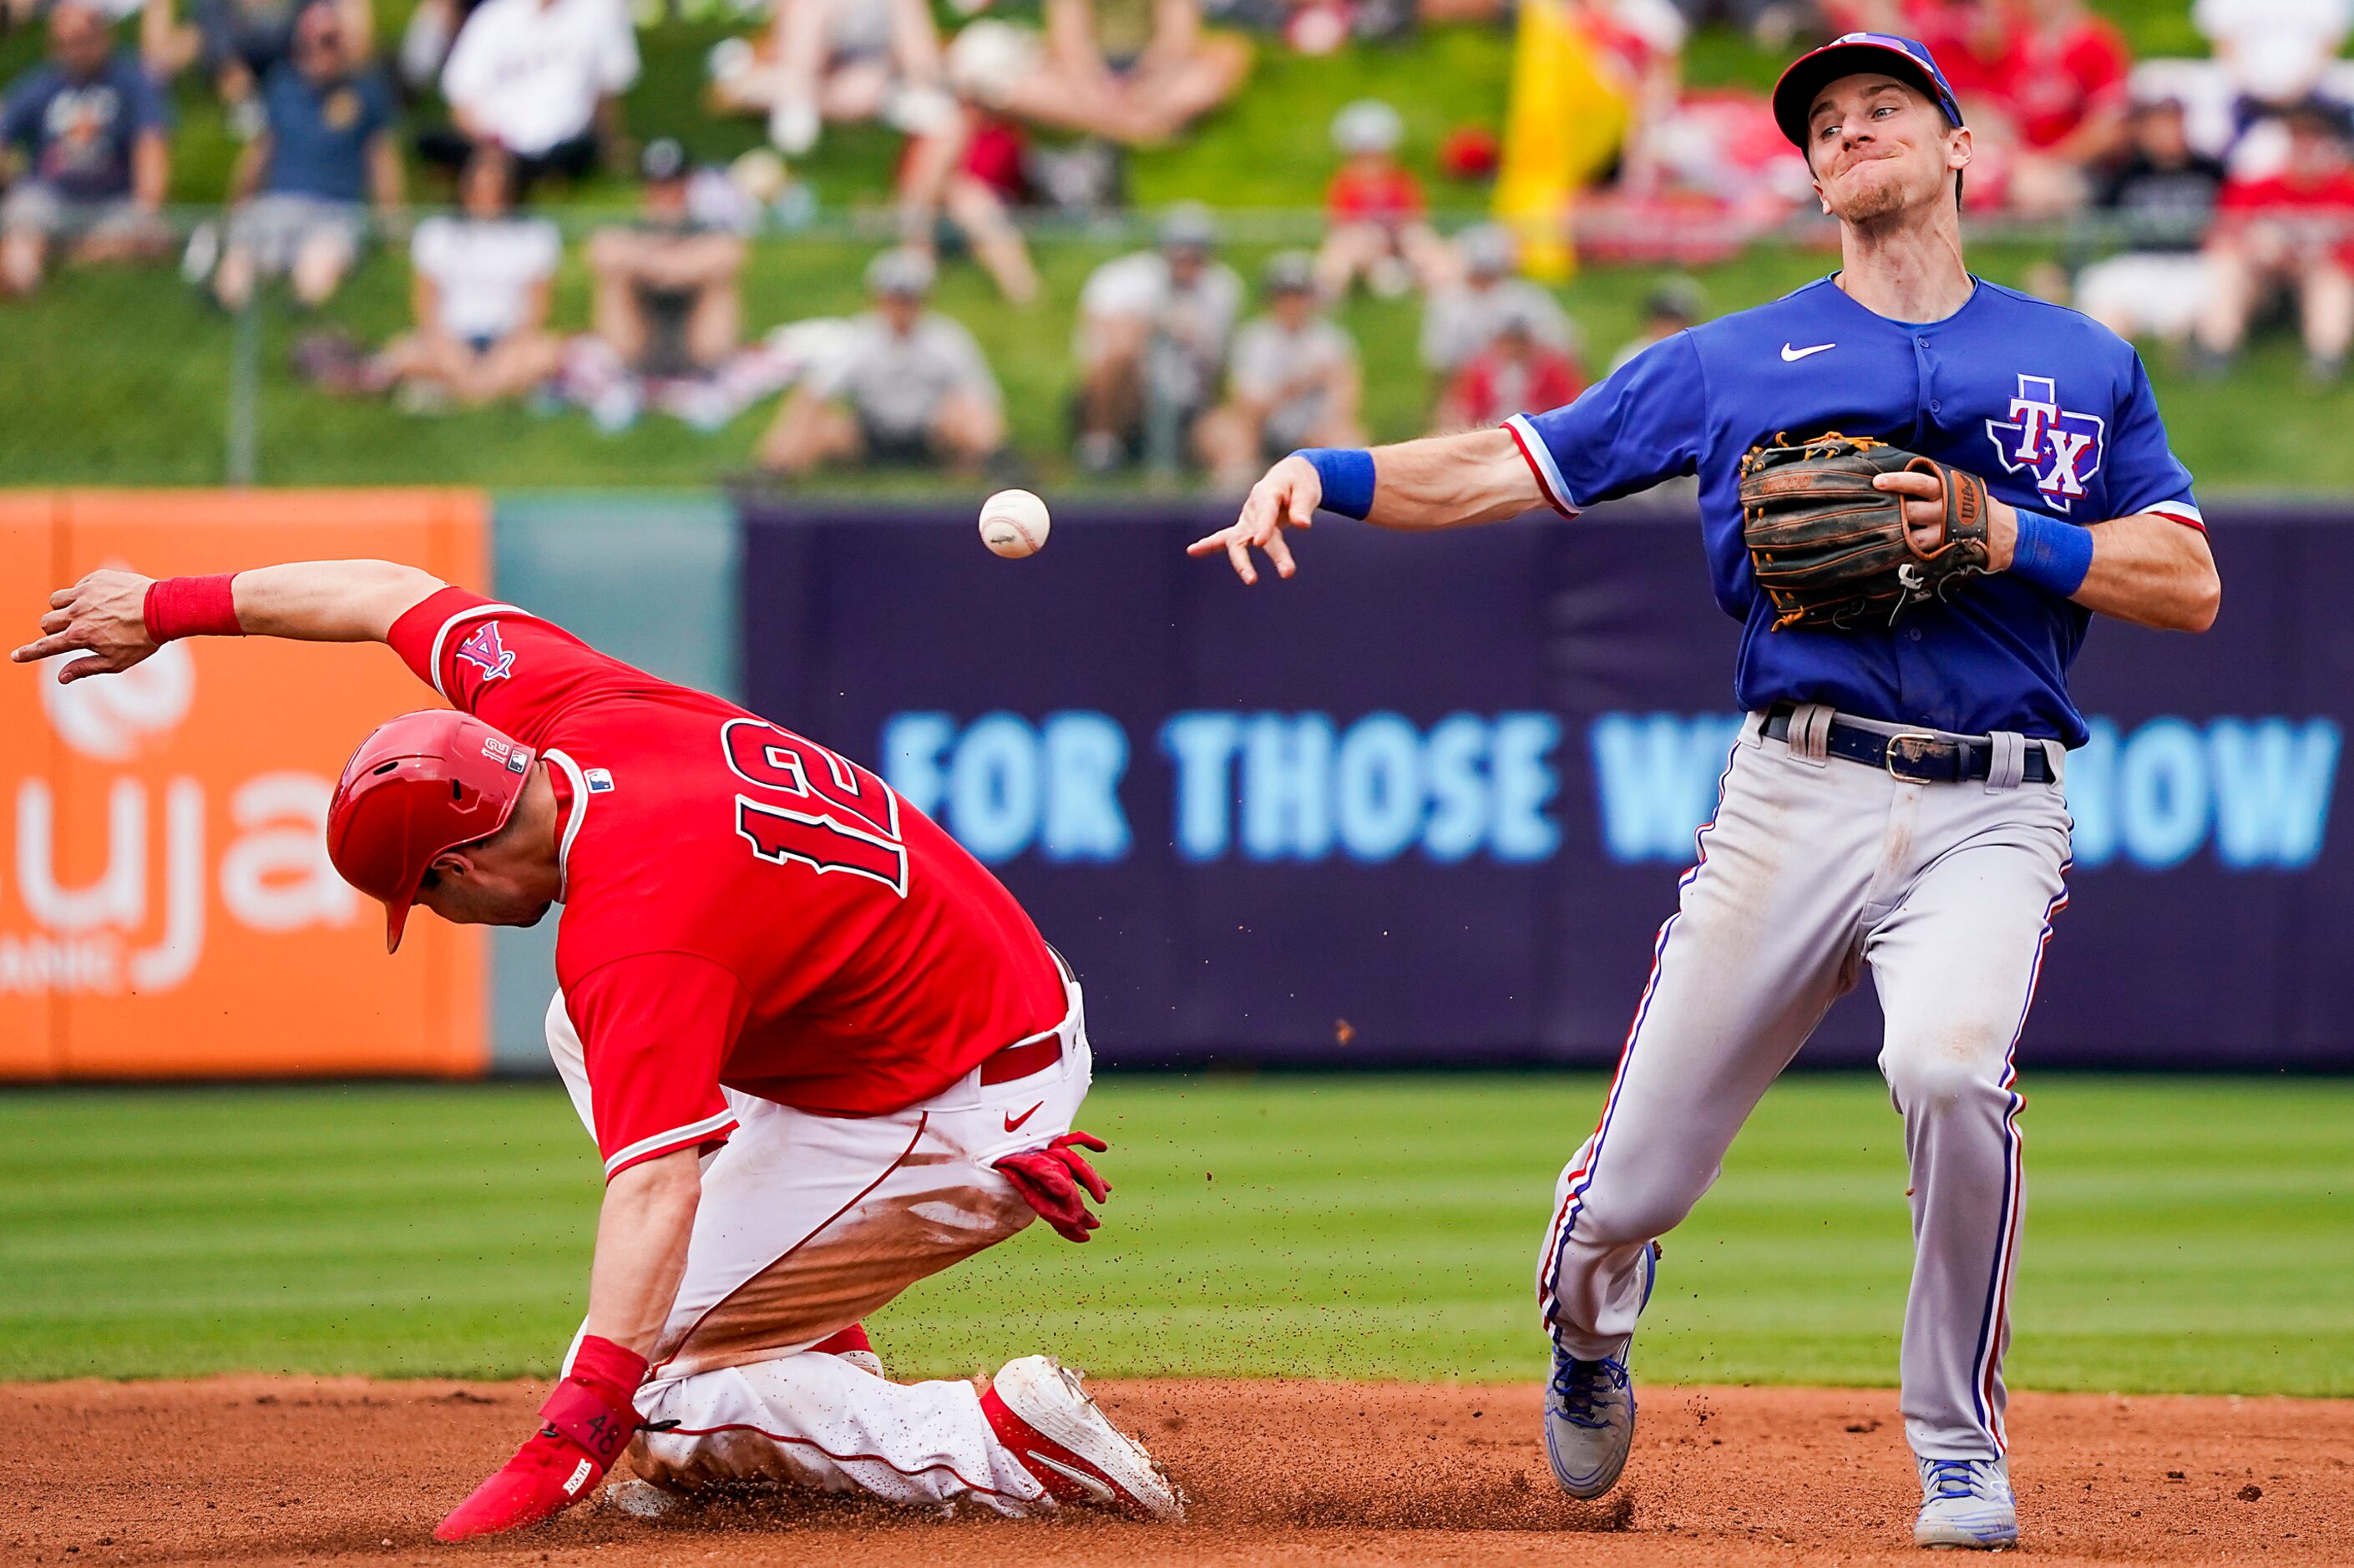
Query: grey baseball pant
pixel 1815 869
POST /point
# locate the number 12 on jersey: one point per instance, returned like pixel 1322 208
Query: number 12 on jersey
pixel 828 812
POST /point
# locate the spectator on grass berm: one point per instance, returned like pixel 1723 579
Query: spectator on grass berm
pixel 1674 305
pixel 237 43
pixel 480 291
pixel 542 80
pixel 1639 44
pixel 972 176
pixel 1133 71
pixel 2293 231
pixel 1293 382
pixel 2159 200
pixel 906 385
pixel 298 188
pixel 1468 309
pixel 1153 331
pixel 1375 226
pixel 1770 23
pixel 2274 53
pixel 433 27
pixel 668 296
pixel 838 60
pixel 1515 373
pixel 87 132
pixel 2045 83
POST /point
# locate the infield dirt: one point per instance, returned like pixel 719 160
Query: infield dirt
pixel 302 1471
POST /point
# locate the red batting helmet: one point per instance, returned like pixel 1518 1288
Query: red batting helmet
pixel 421 784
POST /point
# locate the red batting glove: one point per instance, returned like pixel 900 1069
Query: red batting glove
pixel 590 1421
pixel 1050 1180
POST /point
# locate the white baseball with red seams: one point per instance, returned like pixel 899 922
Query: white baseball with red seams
pixel 1014 523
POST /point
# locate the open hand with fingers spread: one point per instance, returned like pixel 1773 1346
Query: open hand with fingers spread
pixel 1285 498
pixel 103 616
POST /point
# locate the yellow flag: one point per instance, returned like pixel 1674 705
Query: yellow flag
pixel 1564 121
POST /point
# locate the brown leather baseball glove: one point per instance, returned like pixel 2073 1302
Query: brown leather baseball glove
pixel 1833 553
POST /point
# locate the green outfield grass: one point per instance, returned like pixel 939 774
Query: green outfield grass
pixel 2183 1234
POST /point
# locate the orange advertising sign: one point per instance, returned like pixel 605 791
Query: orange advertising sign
pixel 166 905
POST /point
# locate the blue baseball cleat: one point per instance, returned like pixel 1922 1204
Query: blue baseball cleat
pixel 1966 1503
pixel 1589 1411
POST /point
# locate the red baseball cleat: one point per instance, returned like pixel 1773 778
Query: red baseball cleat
pixel 1038 1410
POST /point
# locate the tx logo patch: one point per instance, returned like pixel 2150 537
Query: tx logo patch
pixel 2061 447
pixel 482 649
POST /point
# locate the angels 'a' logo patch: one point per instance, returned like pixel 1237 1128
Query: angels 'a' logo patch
pixel 2062 447
pixel 482 649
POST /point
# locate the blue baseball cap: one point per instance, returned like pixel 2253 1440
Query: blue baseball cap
pixel 1907 59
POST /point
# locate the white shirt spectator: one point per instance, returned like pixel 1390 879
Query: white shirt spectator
pixel 1202 316
pixel 1460 321
pixel 1270 362
pixel 529 72
pixel 1660 27
pixel 896 383
pixel 2276 50
pixel 484 271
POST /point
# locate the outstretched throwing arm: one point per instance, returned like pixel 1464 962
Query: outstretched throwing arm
pixel 114 616
pixel 1446 482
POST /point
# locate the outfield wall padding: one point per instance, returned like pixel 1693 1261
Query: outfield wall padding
pixel 1427 802
pixel 166 905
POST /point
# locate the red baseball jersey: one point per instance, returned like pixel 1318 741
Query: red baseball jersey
pixel 741 906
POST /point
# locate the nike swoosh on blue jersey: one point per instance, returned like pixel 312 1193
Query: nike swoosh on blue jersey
pixel 1792 355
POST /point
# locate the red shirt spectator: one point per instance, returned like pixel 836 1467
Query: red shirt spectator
pixel 2048 74
pixel 1373 189
pixel 1513 375
pixel 2316 207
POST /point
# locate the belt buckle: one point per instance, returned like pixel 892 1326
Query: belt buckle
pixel 1915 746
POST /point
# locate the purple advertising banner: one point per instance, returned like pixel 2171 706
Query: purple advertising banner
pixel 1427 801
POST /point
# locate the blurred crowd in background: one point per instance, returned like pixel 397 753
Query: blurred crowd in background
pixel 2194 197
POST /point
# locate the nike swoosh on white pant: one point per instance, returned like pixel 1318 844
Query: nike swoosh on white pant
pixel 1792 355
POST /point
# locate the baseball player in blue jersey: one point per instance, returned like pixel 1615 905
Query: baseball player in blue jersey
pixel 1895 800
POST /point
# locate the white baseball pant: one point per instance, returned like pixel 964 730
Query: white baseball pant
pixel 1814 869
pixel 806 1225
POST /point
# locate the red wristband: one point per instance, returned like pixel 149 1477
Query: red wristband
pixel 191 606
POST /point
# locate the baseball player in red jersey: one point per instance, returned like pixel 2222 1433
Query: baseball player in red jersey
pixel 822 1052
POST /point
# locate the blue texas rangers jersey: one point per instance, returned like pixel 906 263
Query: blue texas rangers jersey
pixel 2052 410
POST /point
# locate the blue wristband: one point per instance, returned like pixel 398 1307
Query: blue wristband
pixel 2050 553
pixel 1348 476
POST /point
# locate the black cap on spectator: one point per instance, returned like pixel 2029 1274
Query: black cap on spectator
pixel 662 162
